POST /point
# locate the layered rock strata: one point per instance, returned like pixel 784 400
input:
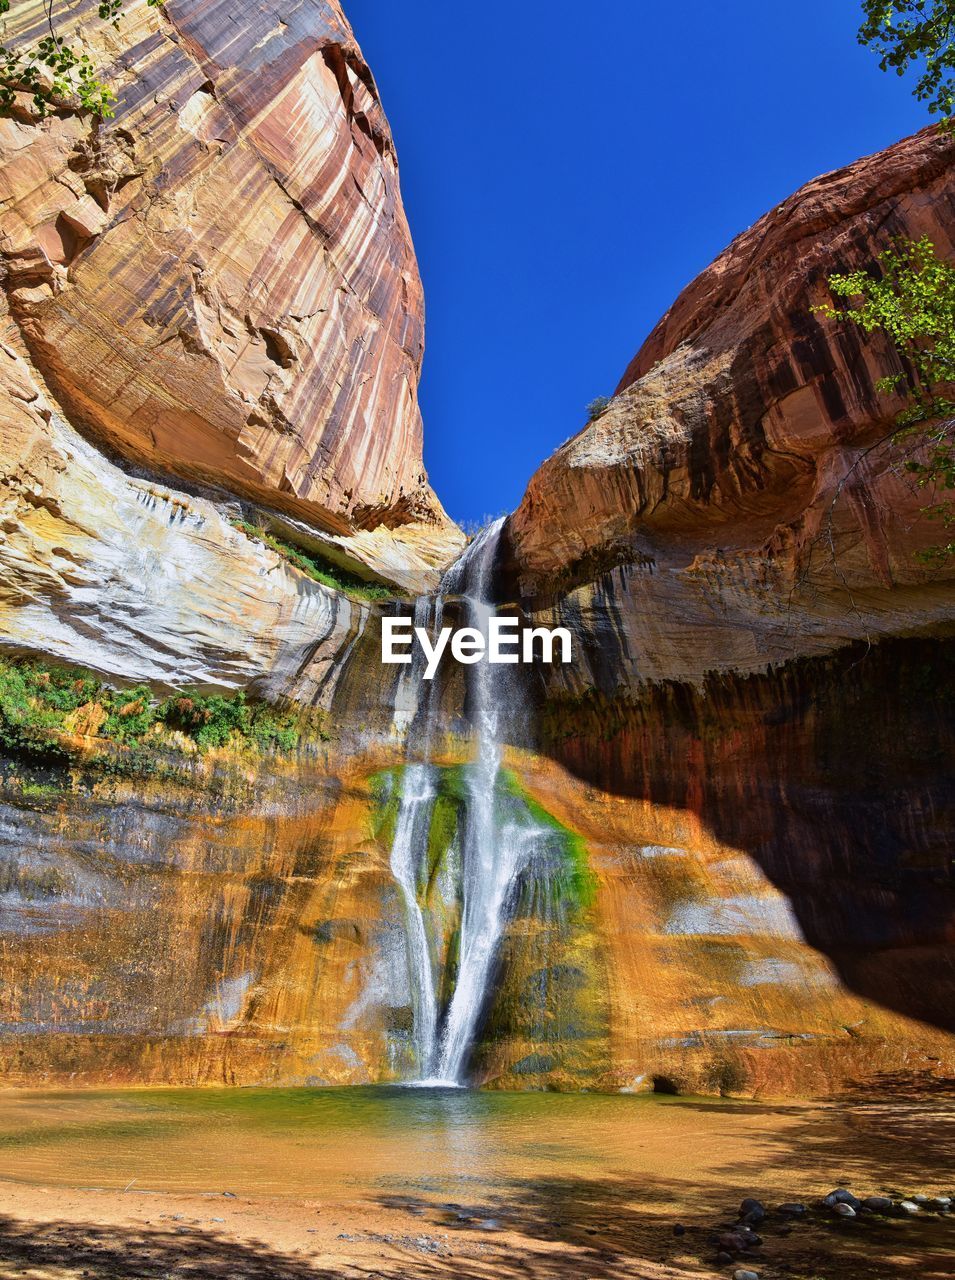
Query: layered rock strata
pixel 741 482
pixel 749 760
pixel 220 280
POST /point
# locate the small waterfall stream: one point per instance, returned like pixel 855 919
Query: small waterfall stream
pixel 497 840
pixel 418 794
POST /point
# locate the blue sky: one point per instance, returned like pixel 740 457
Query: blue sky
pixel 567 168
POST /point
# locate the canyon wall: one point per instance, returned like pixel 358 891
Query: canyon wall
pixel 217 284
pixel 211 338
pixel 211 331
pixel 742 483
pixel 735 544
pixel 220 280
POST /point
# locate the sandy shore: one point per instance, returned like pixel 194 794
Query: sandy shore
pixel 374 1201
pixel 55 1233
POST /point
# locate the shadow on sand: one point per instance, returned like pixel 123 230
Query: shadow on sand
pixel 553 1229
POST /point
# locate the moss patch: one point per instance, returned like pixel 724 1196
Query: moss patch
pixel 319 570
pixel 386 801
pixel 441 833
pixel 575 884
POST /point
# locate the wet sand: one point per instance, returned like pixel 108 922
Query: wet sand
pixel 392 1185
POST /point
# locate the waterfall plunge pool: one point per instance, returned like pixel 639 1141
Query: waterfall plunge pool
pixel 397 1181
pixel 450 1141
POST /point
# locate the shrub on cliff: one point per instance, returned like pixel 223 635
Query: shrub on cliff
pixel 214 720
pixel 29 716
pixel 54 71
pixel 323 571
pixel 909 295
pixel 597 406
pixel 45 708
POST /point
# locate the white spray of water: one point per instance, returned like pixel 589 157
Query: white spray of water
pixel 411 832
pixel 493 852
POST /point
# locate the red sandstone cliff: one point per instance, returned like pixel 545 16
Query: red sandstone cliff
pixel 220 281
pixel 758 648
pixel 733 477
pixel 218 284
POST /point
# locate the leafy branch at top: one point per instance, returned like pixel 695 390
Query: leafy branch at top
pixel 911 299
pixel 918 34
pixel 53 71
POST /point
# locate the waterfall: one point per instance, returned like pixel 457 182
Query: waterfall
pixel 414 815
pixel 498 839
pixel 492 857
pixel 415 804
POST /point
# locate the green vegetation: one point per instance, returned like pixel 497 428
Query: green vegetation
pixel 386 801
pixel 323 571
pixel 597 406
pixel 441 833
pixel 910 297
pixel 918 34
pixel 53 72
pixel 576 884
pixel 451 792
pixel 42 706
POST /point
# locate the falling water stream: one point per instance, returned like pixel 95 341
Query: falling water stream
pixel 497 841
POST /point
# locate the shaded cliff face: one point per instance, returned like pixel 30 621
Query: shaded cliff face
pixel 833 776
pixel 220 281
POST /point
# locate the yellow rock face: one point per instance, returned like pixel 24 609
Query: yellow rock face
pixel 243 926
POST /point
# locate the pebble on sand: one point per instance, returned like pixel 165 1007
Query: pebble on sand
pixel 752 1211
pixel 877 1204
pixel 842 1196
